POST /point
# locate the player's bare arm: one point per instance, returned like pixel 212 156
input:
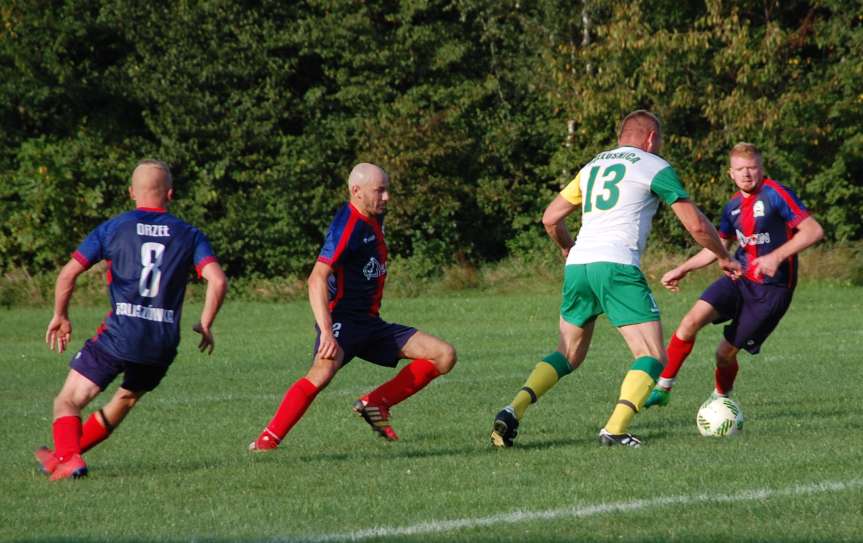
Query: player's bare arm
pixel 704 233
pixel 59 331
pixel 809 232
pixel 217 287
pixel 319 301
pixel 554 221
pixel 671 279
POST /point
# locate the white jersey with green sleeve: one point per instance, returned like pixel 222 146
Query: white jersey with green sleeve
pixel 619 192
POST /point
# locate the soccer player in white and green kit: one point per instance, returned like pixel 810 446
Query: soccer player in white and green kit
pixel 618 193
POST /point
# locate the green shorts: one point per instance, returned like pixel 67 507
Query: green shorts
pixel 618 290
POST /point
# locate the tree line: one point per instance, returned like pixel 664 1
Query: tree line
pixel 480 110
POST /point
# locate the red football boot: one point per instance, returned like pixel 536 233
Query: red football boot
pixel 47 461
pixel 73 468
pixel 267 441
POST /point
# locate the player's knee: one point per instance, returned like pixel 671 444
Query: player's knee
pixel 72 400
pixel 447 359
pixel 322 372
pixel 688 328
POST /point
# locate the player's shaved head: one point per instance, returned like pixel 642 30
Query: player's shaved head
pixel 641 129
pixel 368 185
pixel 638 124
pixel 152 184
pixel 365 172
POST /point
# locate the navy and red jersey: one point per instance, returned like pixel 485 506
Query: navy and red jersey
pixel 761 222
pixel 356 251
pixel 149 254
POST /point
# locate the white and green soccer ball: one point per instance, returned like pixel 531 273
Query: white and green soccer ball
pixel 719 417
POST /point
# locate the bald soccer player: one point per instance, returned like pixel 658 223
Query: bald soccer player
pixel 345 291
pixel 150 254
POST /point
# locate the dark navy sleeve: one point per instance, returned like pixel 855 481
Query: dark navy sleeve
pixel 338 236
pixel 92 249
pixel 790 208
pixel 726 225
pixel 203 252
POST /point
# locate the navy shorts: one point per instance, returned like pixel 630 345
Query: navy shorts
pixel 372 339
pixel 753 309
pixel 102 368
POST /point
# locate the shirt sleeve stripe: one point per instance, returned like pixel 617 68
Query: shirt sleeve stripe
pixel 199 267
pixel 343 240
pixel 77 255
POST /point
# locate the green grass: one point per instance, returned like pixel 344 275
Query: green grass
pixel 177 469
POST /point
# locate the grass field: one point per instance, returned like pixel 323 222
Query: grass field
pixel 177 470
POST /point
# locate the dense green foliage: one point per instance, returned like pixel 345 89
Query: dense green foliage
pixel 479 109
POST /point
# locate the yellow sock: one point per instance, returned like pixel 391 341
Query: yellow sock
pixel 545 375
pixel 639 381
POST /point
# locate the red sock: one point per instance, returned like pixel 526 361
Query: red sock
pixel 94 433
pixel 67 437
pixel 297 399
pixel 725 376
pixel 406 383
pixel 678 350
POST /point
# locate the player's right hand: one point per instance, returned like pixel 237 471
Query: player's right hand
pixel 59 333
pixel 328 347
pixel 731 268
pixel 208 342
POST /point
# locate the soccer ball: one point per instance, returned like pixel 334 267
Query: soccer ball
pixel 719 417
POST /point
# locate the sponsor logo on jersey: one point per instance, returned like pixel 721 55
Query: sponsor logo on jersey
pixel 374 269
pixel 758 238
pixel 619 155
pixel 155 314
pixel 735 212
pixel 758 209
pixel 369 239
pixel 153 230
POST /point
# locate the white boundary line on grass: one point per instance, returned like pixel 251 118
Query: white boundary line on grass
pixel 580 511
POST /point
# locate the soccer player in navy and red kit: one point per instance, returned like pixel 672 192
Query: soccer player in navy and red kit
pixel 771 226
pixel 345 290
pixel 149 254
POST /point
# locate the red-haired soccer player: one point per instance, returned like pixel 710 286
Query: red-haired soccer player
pixel 150 253
pixel 771 226
pixel 345 291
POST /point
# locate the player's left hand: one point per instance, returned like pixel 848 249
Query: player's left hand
pixel 208 343
pixel 766 265
pixel 671 279
pixel 59 333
